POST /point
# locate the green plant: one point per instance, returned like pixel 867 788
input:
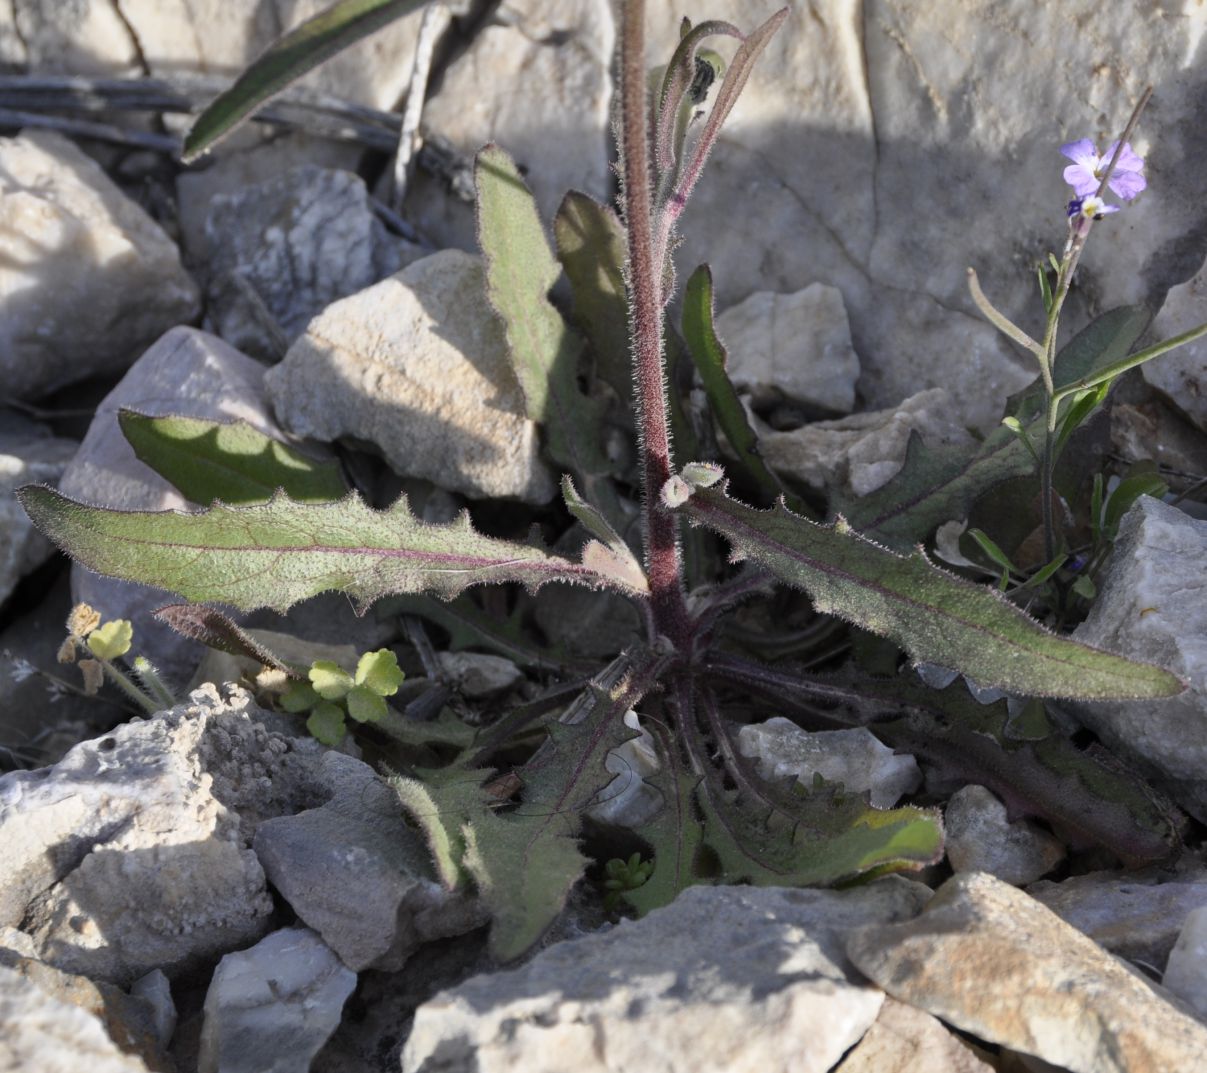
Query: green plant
pixel 502 806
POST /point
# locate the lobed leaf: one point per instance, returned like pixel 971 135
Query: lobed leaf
pixel 277 553
pixel 935 616
pixel 286 60
pixel 208 460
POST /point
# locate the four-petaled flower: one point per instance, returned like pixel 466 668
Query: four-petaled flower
pixel 1084 175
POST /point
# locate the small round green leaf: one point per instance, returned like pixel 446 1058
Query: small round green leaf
pixel 326 724
pixel 300 697
pixel 379 672
pixel 364 705
pixel 111 640
pixel 330 681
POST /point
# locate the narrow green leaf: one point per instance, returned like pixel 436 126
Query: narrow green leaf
pixel 520 272
pixel 990 548
pixel 277 553
pixel 710 358
pixel 1045 288
pixel 591 247
pixel 609 554
pixel 933 615
pixel 443 802
pixel 678 79
pixel 1002 323
pixel 288 58
pixel 208 460
pixel 1126 492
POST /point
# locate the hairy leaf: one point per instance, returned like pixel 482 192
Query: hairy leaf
pixel 675 834
pixel 444 802
pixel 526 861
pixel 591 247
pixel 710 358
pixel 520 272
pixel 288 58
pixel 933 615
pixel 208 460
pixel 608 554
pixel 277 553
pixel 216 630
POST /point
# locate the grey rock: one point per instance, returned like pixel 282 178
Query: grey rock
pixel 1149 607
pixel 737 978
pixel 1182 373
pixel 1186 971
pixel 781 749
pixel 291 245
pixel 133 852
pixel 88 37
pixel 53 1036
pixel 271 1008
pixel 186 372
pixel 155 990
pixel 1136 915
pixel 478 675
pixel 629 800
pixel 418 366
pixel 535 78
pixel 990 960
pixel 87 279
pixel 906 1040
pixel 358 875
pixel 799 344
pixel 980 838
pixel 860 453
pixel 29 454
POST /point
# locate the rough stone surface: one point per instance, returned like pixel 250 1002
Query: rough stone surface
pixel 990 960
pixel 418 367
pixel 155 990
pixel 271 1008
pixel 133 852
pixel 981 839
pixel 1186 970
pixel 799 344
pixel 358 875
pixel 477 675
pixel 1150 606
pixel 906 1040
pixel 53 1036
pixel 914 140
pixel 290 246
pixel 128 1020
pixel 1136 915
pixel 28 455
pixel 853 757
pixel 186 372
pixel 628 800
pixel 535 79
pixel 864 451
pixel 87 279
pixel 1182 373
pixel 737 978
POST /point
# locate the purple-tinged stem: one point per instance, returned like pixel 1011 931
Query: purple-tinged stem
pixel 643 281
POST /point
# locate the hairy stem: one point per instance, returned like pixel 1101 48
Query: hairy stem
pixel 643 284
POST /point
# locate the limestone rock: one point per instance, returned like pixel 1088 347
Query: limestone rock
pixel 87 279
pixel 355 872
pixel 186 372
pixel 53 1036
pixel 478 675
pixel 906 1040
pixel 799 344
pixel 536 81
pixel 1186 971
pixel 981 839
pixel 628 800
pixel 133 852
pixel 1182 373
pixel 864 451
pixel 990 960
pixel 28 455
pixel 290 246
pixel 1136 915
pixel 418 367
pixel 743 979
pixel 1149 607
pixel 271 1008
pixel 853 757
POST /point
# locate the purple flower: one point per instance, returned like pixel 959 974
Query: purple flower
pixel 1089 208
pixel 1084 175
